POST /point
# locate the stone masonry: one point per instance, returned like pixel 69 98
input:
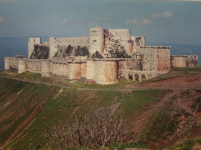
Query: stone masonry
pixel 143 61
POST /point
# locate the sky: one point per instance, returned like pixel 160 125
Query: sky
pixel 159 21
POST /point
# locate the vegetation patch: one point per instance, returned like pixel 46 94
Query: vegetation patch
pixel 160 126
pixel 18 100
pixel 196 105
pixel 186 145
pixel 40 52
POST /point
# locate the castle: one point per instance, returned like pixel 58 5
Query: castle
pixel 113 53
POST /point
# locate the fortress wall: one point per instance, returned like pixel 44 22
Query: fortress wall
pixel 106 72
pixel 13 62
pixel 184 61
pixel 74 71
pixel 124 37
pixel 83 70
pixel 6 63
pixel 58 67
pixel 138 41
pixel 90 69
pixel 96 40
pixel 56 42
pixel 45 70
pixel 148 56
pixel 31 43
pixel 21 66
pixel 33 65
pixel 163 59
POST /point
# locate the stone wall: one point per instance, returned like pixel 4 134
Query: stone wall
pixel 6 63
pixel 96 38
pixel 32 42
pixel 148 56
pixel 33 65
pixel 90 69
pixel 163 59
pixel 21 66
pixel 137 42
pixel 11 62
pixel 121 35
pixel 184 61
pixel 154 58
pixel 105 72
pixel 56 42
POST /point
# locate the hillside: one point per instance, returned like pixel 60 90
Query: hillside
pixel 159 118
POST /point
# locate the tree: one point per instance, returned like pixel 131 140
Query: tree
pixel 92 128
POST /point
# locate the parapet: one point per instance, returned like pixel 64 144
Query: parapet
pixel 184 60
pixel 157 47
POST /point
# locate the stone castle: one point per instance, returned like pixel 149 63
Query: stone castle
pixel 113 54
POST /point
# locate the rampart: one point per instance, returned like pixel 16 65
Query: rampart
pixel 184 61
pixel 113 53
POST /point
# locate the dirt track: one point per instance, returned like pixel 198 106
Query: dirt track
pixel 183 82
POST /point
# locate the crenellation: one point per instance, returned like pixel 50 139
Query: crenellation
pixel 111 54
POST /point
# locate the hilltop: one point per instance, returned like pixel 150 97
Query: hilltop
pixel 163 111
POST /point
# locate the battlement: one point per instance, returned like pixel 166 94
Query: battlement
pixel 110 54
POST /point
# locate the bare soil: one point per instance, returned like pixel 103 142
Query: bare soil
pixel 173 83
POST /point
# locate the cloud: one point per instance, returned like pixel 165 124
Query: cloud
pixel 64 22
pixel 166 14
pixel 3 20
pixel 134 21
pixel 146 21
pixel 92 23
pixel 131 21
pixel 105 19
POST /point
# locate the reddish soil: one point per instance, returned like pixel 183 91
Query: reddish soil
pixel 27 119
pixel 177 82
pixel 197 146
pixel 173 83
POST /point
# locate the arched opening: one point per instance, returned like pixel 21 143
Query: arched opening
pixel 150 76
pixel 143 77
pixel 137 77
pixel 130 76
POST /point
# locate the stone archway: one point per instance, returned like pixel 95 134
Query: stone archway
pixel 137 77
pixel 143 77
pixel 130 76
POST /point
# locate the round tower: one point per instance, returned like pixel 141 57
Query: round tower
pixel 105 72
pixel 96 40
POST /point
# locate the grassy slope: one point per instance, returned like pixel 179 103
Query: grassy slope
pixel 19 99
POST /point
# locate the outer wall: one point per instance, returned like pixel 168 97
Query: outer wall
pixel 74 70
pixel 163 60
pixel 106 72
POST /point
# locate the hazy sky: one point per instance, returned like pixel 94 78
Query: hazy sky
pixel 159 21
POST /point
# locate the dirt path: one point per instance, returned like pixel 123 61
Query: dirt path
pixel 184 83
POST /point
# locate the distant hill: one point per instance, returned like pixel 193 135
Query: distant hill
pixel 10 47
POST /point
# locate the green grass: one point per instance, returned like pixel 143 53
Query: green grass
pixel 21 98
pixel 29 75
pixel 186 145
pixel 8 73
pixel 81 84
